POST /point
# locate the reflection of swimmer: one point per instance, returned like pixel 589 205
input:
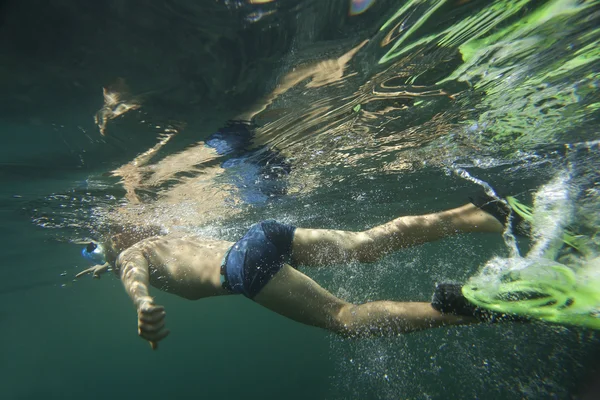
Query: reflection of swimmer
pixel 117 101
pixel 207 178
pixel 263 267
pixel 258 174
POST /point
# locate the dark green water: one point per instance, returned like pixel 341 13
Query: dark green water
pixel 504 90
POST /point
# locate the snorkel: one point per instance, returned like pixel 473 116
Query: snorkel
pixel 94 252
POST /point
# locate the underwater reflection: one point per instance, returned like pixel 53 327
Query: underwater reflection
pixel 117 101
pixel 394 102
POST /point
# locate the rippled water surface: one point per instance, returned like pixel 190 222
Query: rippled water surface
pixel 206 116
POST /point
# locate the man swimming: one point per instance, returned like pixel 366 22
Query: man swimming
pixel 263 267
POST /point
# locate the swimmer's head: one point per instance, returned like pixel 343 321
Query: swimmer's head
pixel 116 240
pixel 94 252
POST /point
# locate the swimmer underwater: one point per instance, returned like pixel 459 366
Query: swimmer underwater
pixel 262 266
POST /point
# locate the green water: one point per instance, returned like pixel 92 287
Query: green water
pixel 374 113
pixel 79 341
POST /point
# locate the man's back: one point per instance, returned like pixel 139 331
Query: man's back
pixel 188 266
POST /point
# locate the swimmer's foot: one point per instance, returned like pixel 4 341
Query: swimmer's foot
pixel 448 299
pixel 501 211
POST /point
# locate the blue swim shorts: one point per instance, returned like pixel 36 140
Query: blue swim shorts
pixel 253 260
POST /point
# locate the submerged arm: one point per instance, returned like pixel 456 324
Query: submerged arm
pixel 136 280
pixel 135 276
pixel 96 271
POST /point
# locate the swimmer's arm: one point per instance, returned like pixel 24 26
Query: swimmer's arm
pixel 96 271
pixel 133 270
pixel 136 280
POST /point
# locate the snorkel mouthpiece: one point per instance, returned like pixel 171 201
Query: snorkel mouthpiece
pixel 94 252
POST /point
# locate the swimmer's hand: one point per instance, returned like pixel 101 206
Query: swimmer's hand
pixel 151 323
pixel 96 271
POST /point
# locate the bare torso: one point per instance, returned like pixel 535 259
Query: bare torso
pixel 186 266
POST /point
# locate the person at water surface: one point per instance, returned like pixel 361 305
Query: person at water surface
pixel 263 267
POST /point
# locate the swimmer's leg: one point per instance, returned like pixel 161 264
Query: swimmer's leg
pixel 296 296
pixel 315 247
